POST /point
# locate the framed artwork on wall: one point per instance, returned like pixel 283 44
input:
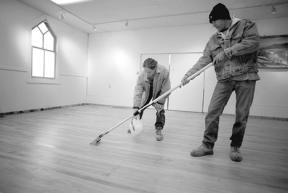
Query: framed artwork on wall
pixel 273 53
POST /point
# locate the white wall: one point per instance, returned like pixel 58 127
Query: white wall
pixel 17 90
pixel 113 63
pixel 114 58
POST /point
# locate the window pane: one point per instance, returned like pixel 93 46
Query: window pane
pixel 43 27
pixel 37 38
pixel 37 62
pixel 48 41
pixel 49 64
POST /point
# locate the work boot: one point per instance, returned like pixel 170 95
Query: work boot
pixel 235 154
pixel 202 150
pixel 159 135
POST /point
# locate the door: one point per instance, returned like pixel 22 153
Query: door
pixel 189 97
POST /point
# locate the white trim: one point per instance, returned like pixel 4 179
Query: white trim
pixel 13 68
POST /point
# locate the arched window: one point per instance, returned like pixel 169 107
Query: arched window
pixel 43 51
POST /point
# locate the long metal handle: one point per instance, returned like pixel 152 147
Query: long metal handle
pixel 97 140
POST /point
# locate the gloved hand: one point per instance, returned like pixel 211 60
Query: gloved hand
pixel 158 107
pixel 220 57
pixel 136 112
pixel 184 80
pixel 220 38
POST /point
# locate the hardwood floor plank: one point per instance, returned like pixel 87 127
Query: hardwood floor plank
pixel 49 151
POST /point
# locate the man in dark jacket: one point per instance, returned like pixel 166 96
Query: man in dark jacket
pixel 233 50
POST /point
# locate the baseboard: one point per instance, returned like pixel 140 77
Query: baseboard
pixel 39 109
pixel 125 107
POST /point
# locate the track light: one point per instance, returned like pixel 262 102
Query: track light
pixel 61 15
pixel 273 9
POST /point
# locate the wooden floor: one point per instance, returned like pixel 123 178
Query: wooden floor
pixel 49 152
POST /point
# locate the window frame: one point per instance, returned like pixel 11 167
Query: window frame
pixel 43 77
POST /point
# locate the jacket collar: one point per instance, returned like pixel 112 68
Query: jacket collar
pixel 235 20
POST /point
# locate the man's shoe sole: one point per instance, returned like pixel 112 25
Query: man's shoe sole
pixel 236 159
pixel 201 155
pixel 159 139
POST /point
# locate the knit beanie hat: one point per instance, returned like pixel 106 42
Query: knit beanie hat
pixel 219 11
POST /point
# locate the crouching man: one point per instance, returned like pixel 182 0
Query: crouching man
pixel 152 82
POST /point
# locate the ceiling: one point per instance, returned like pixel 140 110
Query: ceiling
pixel 94 16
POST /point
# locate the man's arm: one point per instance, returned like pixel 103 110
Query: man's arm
pixel 138 92
pixel 249 43
pixel 166 85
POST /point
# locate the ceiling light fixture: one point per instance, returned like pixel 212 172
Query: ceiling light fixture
pixel 61 15
pixel 66 2
pixel 94 28
pixel 273 10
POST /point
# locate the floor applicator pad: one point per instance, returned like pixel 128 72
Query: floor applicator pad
pixel 135 126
